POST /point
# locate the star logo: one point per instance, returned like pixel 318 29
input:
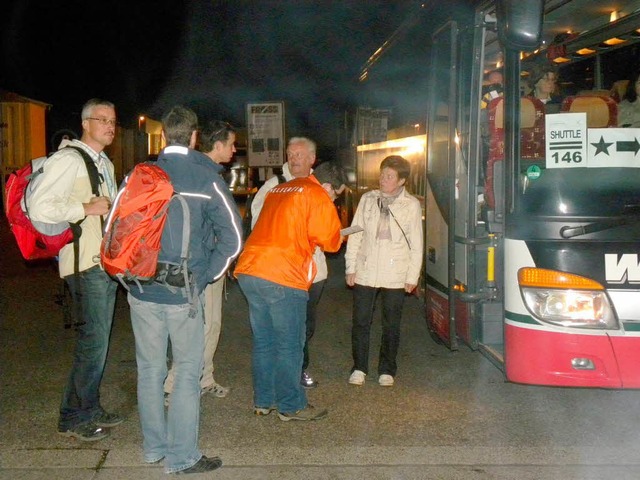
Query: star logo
pixel 602 146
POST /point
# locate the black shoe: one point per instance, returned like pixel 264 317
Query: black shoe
pixel 205 464
pixel 306 414
pixel 108 420
pixel 89 432
pixel 307 381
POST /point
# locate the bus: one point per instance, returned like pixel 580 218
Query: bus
pixel 531 213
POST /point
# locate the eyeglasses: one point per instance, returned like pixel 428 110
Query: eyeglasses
pixel 104 121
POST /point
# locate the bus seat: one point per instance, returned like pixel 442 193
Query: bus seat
pixel 602 111
pixel 532 137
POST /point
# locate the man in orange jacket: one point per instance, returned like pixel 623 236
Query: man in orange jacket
pixel 275 271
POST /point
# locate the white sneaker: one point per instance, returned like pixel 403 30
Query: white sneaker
pixel 357 377
pixel 385 380
pixel 215 389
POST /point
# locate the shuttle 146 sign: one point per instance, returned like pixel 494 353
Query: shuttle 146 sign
pixel 566 140
pixel 570 144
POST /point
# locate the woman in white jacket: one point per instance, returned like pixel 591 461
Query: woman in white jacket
pixel 385 257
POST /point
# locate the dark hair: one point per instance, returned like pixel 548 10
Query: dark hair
pixel 397 163
pixel 537 72
pixel 631 93
pixel 178 124
pixel 330 172
pixel 214 131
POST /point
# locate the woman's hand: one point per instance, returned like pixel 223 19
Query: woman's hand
pixel 350 279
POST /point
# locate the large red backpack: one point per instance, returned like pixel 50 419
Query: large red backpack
pixel 133 229
pixel 38 241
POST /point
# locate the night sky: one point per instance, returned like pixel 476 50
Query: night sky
pixel 213 56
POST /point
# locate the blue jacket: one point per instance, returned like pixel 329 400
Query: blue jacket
pixel 215 224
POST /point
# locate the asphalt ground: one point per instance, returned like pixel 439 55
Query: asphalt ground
pixel 450 415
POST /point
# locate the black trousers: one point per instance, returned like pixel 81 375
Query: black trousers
pixel 364 301
pixel 315 292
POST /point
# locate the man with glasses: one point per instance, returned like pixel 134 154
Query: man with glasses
pixel 217 141
pixel 65 195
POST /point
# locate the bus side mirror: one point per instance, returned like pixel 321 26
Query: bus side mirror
pixel 520 23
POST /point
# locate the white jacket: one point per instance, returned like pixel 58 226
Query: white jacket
pixel 64 188
pixel 256 208
pixel 386 263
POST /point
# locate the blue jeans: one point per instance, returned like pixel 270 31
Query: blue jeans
pixel 94 297
pixel 278 317
pixel 176 436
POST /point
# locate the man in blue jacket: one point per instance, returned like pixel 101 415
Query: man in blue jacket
pixel 172 311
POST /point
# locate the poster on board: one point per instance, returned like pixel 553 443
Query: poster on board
pixel 265 134
pixel 614 147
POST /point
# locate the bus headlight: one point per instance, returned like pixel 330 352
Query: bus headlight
pixel 570 308
pixel 566 299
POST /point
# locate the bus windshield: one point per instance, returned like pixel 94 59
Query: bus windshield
pixel 580 192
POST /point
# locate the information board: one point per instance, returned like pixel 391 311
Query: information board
pixel 265 134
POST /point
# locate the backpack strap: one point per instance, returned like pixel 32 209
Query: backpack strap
pixel 186 238
pixel 166 269
pixel 95 178
pixel 281 179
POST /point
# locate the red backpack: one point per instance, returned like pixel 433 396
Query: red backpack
pixel 41 241
pixel 133 229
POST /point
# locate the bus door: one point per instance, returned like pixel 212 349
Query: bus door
pixel 464 258
pixel 445 259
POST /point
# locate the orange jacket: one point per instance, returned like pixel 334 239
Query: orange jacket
pixel 296 217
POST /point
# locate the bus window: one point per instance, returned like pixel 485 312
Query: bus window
pixel 619 64
pixel 577 77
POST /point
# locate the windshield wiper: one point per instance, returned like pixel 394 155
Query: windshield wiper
pixel 633 212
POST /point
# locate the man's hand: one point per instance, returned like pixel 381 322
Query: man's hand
pixel 97 206
pixel 409 287
pixel 329 189
pixel 350 279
